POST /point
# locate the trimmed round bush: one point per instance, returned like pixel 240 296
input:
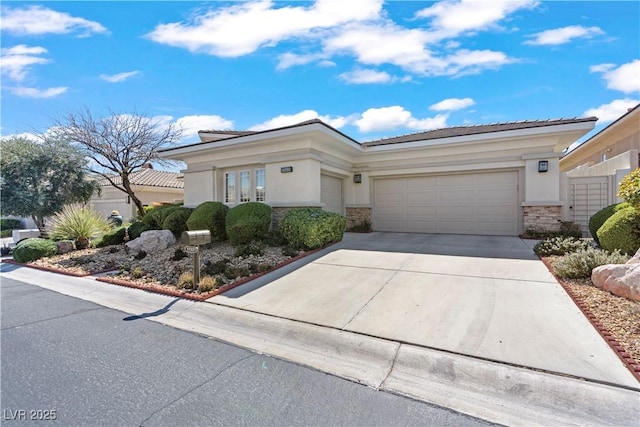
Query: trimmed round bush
pixel 176 221
pixel 309 228
pixel 136 229
pixel 210 216
pixel 621 231
pixel 113 237
pixel 248 222
pixel 33 249
pixel 600 217
pixel 156 216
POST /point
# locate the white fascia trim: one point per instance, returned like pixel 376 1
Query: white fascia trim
pixel 535 156
pixel 230 142
pixel 483 137
pixel 361 206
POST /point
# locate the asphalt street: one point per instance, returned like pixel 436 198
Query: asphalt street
pixel 65 361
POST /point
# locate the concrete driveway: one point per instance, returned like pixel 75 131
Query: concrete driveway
pixel 484 296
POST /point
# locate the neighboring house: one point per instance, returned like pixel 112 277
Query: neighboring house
pixel 493 179
pixel 592 172
pixel 150 186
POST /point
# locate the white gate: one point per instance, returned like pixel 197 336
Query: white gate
pixel 587 196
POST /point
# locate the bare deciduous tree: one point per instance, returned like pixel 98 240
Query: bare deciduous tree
pixel 119 144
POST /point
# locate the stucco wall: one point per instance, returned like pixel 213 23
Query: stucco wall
pixel 541 186
pixel 300 187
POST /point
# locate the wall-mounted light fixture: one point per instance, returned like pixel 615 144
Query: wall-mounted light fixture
pixel 543 166
pixel 357 178
pixel 286 169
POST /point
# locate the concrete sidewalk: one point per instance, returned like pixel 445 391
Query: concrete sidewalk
pixel 481 296
pixel 496 392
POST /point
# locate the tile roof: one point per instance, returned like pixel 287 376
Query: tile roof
pixel 474 130
pixel 149 177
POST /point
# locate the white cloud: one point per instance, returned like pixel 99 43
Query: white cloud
pixel 120 77
pixel 288 59
pixel 452 104
pixel 241 29
pixel 389 118
pixel 611 111
pixel 302 116
pixel 407 48
pixel 601 68
pixel 564 35
pixel 17 60
pixel 451 18
pixel 625 78
pixel 31 92
pixel 360 76
pixel 192 124
pixel 38 20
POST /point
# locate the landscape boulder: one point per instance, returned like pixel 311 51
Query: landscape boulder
pixel 619 279
pixel 152 241
pixel 65 246
pixel 635 259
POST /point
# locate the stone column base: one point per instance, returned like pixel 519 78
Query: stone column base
pixel 358 216
pixel 542 218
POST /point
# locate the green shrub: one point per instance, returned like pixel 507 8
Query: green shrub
pixel 176 220
pixel 570 229
pixel 600 217
pixel 33 249
pixel 290 251
pixel 185 281
pixel 210 216
pixel 78 223
pixel 136 229
pixel 10 224
pixel 253 248
pixel 178 254
pixel 559 246
pixel 6 233
pixel 248 222
pixel 621 231
pixel 156 216
pixel 580 264
pixel 309 228
pixel 629 190
pixel 214 268
pixel 113 237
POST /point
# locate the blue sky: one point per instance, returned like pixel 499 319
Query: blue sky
pixel 369 68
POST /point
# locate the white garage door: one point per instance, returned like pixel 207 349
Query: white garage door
pixel 331 193
pixel 478 203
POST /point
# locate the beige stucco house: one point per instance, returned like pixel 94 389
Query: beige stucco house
pixel 493 179
pixel 150 185
pixel 591 173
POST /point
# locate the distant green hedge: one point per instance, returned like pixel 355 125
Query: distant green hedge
pixel 10 224
pixel 311 228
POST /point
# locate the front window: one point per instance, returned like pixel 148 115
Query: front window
pixel 230 187
pixel 260 186
pixel 245 186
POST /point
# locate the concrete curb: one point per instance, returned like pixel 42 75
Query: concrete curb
pixel 492 391
pixel 506 394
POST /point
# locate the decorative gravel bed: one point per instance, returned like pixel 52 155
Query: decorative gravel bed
pixel 161 270
pixel 616 317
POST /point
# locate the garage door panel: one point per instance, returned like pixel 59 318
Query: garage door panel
pixel 478 203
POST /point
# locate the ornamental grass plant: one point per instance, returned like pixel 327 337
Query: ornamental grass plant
pixel 78 223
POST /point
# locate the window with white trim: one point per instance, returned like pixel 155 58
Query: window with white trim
pixel 261 188
pixel 245 186
pixel 230 187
